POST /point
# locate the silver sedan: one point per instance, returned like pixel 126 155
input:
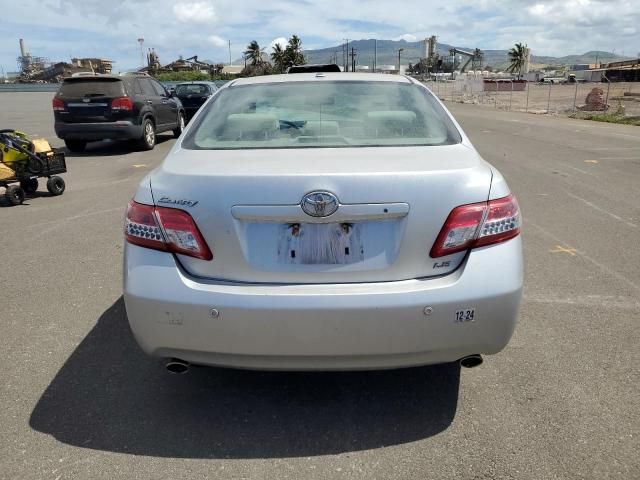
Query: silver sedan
pixel 323 221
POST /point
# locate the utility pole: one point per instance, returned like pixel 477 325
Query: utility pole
pixel 375 54
pixel 141 42
pixel 400 50
pixel 353 59
pixel 229 52
pixel 346 63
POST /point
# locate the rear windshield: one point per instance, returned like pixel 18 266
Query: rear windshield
pixel 91 88
pixel 192 89
pixel 321 114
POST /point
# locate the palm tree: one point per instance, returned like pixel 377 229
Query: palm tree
pixel 517 59
pixel 253 53
pixel 293 52
pixel 279 58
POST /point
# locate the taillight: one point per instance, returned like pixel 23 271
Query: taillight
pixel 121 104
pixel 477 225
pixel 58 105
pixel 166 229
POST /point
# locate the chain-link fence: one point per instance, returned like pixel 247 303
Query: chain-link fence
pixel 554 98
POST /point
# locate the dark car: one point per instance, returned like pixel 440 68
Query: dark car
pixel 135 107
pixel 193 95
pixel 314 68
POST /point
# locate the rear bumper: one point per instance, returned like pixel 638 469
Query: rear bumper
pixel 121 130
pixel 324 327
pixel 191 111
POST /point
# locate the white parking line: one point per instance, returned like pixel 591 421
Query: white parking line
pixel 604 301
pixel 602 210
pixel 76 217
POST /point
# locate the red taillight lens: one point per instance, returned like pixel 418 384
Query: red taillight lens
pixel 502 222
pixel 121 104
pixel 166 229
pixel 182 234
pixel 58 105
pixel 477 225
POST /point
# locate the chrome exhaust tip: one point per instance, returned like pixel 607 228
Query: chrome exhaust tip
pixel 471 361
pixel 177 366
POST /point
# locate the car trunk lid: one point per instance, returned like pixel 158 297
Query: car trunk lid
pixel 393 203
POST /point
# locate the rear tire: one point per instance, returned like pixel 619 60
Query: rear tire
pixel 30 186
pixel 148 140
pixel 56 186
pixel 76 146
pixel 14 195
pixel 178 131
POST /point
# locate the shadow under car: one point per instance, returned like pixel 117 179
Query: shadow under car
pixel 110 396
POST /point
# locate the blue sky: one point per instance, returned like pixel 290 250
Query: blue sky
pixel 62 29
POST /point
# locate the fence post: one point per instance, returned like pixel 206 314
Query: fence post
pixel 549 99
pixel 511 96
pixel 575 96
pixel 527 107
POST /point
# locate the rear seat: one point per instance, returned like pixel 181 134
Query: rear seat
pixel 391 123
pixel 251 126
pixel 316 128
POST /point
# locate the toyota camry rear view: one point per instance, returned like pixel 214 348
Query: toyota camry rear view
pixel 322 221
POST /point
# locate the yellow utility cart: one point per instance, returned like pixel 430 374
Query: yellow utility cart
pixel 23 161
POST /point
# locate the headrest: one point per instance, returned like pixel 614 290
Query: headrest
pixel 399 118
pixel 252 122
pixel 317 128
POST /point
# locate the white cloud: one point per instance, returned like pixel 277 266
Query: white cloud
pixel 66 28
pixel 217 41
pixel 407 37
pixel 279 41
pixel 194 12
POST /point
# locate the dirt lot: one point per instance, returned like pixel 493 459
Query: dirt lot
pixel 551 98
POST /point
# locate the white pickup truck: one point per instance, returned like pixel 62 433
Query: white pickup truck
pixel 571 78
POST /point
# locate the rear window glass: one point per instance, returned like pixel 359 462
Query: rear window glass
pixel 147 86
pixel 91 88
pixel 322 114
pixel 192 89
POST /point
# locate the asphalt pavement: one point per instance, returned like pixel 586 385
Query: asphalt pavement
pixel 562 401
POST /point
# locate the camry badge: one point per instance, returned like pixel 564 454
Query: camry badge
pixel 180 202
pixel 319 204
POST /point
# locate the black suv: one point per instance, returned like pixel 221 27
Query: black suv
pixel 129 107
pixel 193 95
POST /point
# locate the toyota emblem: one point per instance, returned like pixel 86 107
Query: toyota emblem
pixel 319 204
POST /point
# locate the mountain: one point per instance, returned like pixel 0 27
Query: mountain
pixel 413 51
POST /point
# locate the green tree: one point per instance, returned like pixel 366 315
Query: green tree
pixel 293 52
pixel 517 59
pixel 263 68
pixel 279 59
pixel 253 53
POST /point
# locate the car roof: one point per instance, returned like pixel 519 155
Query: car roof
pixel 197 82
pixel 94 78
pixel 322 76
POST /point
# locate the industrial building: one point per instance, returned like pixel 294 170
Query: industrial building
pixel 35 69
